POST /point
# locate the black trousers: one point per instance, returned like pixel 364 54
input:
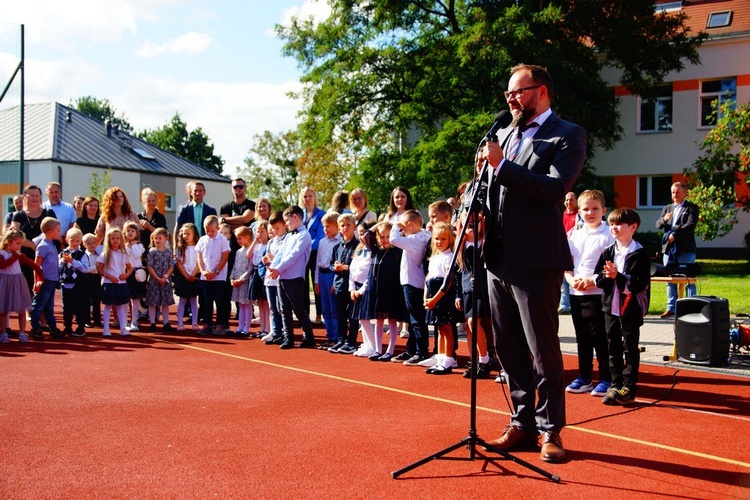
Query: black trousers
pixel 293 294
pixel 525 322
pixel 74 306
pixel 93 298
pixel 624 355
pixel 591 336
pixel 214 296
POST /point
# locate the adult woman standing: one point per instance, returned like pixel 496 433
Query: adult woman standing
pixel 116 212
pixel 262 211
pixel 360 207
pixel 29 220
pixel 78 202
pixel 90 216
pixel 400 202
pixel 150 218
pixel 313 220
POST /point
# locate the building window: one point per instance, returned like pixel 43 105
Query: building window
pixel 654 192
pixel 656 111
pixel 719 19
pixel 712 90
pixel 169 202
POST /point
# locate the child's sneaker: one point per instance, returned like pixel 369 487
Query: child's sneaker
pixel 601 388
pixel 579 386
pixel 346 349
pixel 617 397
pixel 431 361
pixel 364 352
pixel 180 328
pixel 4 338
pixel 106 333
pixel 22 337
pixel 267 337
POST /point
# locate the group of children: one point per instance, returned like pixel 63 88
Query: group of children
pixel 388 271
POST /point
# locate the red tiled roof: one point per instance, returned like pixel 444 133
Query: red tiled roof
pixel 698 12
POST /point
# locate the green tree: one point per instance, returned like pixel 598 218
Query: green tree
pixel 718 180
pixel 193 145
pixel 99 184
pixel 279 165
pixel 414 84
pixel 102 110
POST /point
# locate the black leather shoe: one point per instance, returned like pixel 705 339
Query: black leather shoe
pixel 307 344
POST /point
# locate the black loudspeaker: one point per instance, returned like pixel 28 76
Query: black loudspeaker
pixel 701 329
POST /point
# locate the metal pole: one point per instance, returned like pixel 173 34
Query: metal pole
pixel 23 105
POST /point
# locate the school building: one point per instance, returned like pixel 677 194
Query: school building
pixel 662 134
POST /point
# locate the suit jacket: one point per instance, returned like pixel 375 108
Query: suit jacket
pixel 683 228
pixel 526 197
pixel 185 214
pixel 636 277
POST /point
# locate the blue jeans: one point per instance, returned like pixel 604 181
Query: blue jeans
pixel 690 290
pixel 565 296
pixel 328 306
pixel 44 302
pixel 274 304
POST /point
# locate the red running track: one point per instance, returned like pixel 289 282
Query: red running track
pixel 177 416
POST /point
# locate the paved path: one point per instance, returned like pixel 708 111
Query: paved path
pixel 657 337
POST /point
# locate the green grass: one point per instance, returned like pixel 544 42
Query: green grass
pixel 728 279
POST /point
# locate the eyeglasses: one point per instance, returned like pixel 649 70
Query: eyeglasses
pixel 516 94
pixel 238 186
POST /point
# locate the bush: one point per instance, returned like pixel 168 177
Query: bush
pixel 651 241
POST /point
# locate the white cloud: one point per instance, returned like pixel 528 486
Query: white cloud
pixel 61 24
pixel 191 43
pixel 62 80
pixel 318 10
pixel 230 114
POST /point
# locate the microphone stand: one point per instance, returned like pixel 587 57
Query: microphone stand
pixel 472 440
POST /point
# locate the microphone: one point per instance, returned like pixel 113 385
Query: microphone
pixel 502 120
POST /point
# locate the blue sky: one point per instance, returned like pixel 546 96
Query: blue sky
pixel 217 63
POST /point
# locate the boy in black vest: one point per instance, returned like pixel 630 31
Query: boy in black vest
pixel 73 264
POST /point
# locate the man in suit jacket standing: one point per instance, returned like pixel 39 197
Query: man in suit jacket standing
pixel 678 221
pixel 534 164
pixel 194 211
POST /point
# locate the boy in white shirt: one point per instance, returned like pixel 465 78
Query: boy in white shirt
pixel 213 254
pixel 409 236
pixel 586 245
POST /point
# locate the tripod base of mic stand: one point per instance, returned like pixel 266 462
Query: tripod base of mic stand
pixel 471 442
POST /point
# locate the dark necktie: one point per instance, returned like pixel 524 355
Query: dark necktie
pixel 515 142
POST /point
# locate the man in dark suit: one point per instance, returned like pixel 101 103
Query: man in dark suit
pixel 194 211
pixel 534 163
pixel 678 221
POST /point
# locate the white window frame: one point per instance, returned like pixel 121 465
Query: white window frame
pixel 650 191
pixel 719 19
pixel 722 96
pixel 169 202
pixel 642 101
